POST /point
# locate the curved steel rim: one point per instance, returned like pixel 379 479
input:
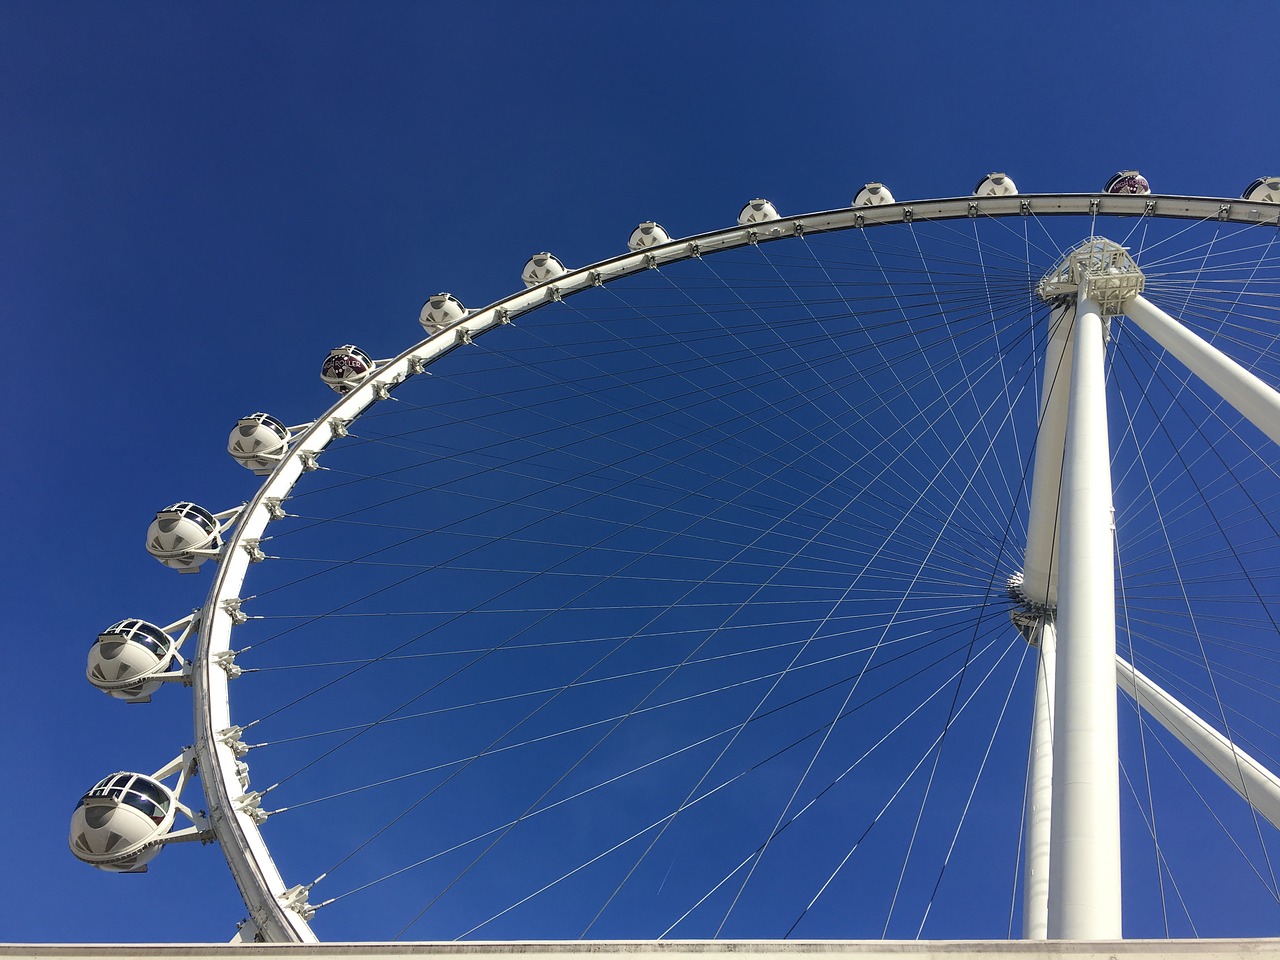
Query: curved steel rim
pixel 278 911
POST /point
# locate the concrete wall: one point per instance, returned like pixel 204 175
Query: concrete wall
pixel 825 950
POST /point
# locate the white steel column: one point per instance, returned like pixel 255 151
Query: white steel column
pixel 1038 818
pixel 1038 594
pixel 1039 565
pixel 1253 398
pixel 1084 867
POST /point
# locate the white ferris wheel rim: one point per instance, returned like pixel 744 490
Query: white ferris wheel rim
pixel 277 909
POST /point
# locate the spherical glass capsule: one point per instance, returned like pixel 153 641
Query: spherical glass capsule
pixel 258 442
pixel 120 824
pixel 1128 182
pixel 127 656
pixel 441 311
pixel 648 234
pixel 180 529
pixel 995 185
pixel 872 195
pixel 757 211
pixel 541 268
pixel 1263 190
pixel 345 368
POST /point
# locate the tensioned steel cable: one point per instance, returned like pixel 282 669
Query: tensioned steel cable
pixel 800 564
pixel 1210 672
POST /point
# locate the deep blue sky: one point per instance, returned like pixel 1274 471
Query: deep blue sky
pixel 197 201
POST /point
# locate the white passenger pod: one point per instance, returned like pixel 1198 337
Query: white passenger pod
pixel 121 824
pixel 1263 190
pixel 757 211
pixel 872 195
pixel 648 234
pixel 260 441
pixel 131 659
pixel 541 268
pixel 184 535
pixel 346 368
pixel 1128 182
pixel 440 312
pixel 995 185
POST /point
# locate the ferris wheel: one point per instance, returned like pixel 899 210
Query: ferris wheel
pixel 846 575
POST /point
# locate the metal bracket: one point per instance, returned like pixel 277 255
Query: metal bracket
pixel 247 931
pixel 465 336
pixel 1149 208
pixel 227 661
pixel 753 237
pixel 338 427
pixel 308 460
pixel 503 315
pixel 907 214
pixel 858 220
pixel 417 364
pixel 1028 624
pixel 694 249
pixel 799 228
pixel 232 737
pixel 1093 206
pixel 381 391
pixel 973 208
pixel 1024 206
pixel 553 293
pixel 1224 211
pixel 250 804
pixel 232 606
pixel 650 261
pixel 252 548
pixel 275 507
pixel 295 899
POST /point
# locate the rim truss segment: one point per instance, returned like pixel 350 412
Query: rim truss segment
pixel 280 913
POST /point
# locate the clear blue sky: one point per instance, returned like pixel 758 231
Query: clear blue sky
pixel 198 200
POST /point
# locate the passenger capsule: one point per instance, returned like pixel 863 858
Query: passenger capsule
pixel 126 658
pixel 872 195
pixel 757 211
pixel 178 532
pixel 1263 190
pixel 258 442
pixel 442 310
pixel 346 368
pixel 1128 182
pixel 995 185
pixel 648 234
pixel 120 824
pixel 541 268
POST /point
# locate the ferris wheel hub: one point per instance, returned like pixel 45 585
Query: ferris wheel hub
pixel 1015 587
pixel 1099 269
